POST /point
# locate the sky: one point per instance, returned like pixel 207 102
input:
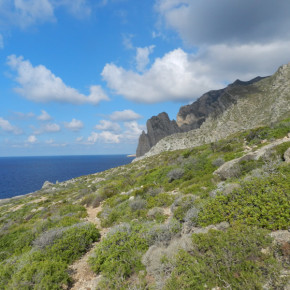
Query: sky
pixel 82 77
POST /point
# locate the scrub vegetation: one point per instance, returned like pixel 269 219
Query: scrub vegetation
pixel 167 222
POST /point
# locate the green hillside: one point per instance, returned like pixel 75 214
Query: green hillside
pixel 208 217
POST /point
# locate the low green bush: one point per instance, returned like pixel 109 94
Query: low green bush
pixel 119 254
pixel 261 202
pixel 231 259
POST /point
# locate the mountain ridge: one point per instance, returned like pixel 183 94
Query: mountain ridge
pixel 216 114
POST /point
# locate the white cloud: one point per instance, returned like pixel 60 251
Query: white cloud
pixel 125 115
pixel 44 116
pixel 25 13
pixel 32 139
pixel 142 57
pixel 74 125
pixel 78 8
pixel 106 125
pixel 39 84
pixel 104 137
pixel 180 76
pixel 24 116
pixel 6 126
pixel 52 128
pixel 47 128
pixel 132 132
pixel 127 41
pixel 50 141
pixel 171 78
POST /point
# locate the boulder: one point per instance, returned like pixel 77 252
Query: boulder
pixel 47 184
pixel 287 155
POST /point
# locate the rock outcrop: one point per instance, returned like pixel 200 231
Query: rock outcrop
pixel 211 103
pixel 158 127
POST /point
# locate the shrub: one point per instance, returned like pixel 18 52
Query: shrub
pixel 174 174
pixel 160 200
pixel 218 162
pixel 182 205
pixel 137 204
pixel 47 238
pixel 41 275
pixel 261 202
pixel 74 242
pixel 163 233
pixel 119 254
pixel 156 213
pixel 231 259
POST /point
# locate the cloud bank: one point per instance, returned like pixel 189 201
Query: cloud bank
pixel 39 84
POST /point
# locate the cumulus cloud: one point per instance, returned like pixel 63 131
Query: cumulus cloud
pixel 47 128
pixel 127 41
pixel 132 132
pixel 78 8
pixel 25 13
pixel 52 127
pixel 74 125
pixel 170 78
pixel 142 57
pixel 32 139
pixel 201 22
pixel 182 76
pixel 44 116
pixel 7 127
pixel 106 125
pixel 24 116
pixel 104 137
pixel 125 115
pixel 39 84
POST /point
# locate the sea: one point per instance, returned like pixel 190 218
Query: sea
pixel 22 175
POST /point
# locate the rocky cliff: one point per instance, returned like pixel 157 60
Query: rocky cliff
pixel 158 127
pixel 217 114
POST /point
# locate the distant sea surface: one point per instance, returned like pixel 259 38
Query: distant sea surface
pixel 22 175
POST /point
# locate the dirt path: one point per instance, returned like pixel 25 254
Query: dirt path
pixel 84 277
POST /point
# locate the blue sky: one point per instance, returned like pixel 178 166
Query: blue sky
pixel 83 76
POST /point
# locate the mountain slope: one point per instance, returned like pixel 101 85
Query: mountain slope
pixel 177 220
pixel 240 106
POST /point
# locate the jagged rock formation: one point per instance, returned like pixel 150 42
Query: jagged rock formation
pixel 240 106
pixel 158 127
pixel 211 103
pixel 189 117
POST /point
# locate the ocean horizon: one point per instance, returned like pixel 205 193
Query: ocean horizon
pixel 25 174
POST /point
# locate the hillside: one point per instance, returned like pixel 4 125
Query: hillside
pixel 217 114
pixel 209 217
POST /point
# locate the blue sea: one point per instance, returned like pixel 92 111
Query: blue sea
pixel 22 175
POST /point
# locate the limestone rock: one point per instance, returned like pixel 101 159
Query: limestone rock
pixel 158 127
pixel 47 184
pixel 287 155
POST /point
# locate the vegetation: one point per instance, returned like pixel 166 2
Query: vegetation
pixel 164 216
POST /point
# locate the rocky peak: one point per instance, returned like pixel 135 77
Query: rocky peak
pixel 158 127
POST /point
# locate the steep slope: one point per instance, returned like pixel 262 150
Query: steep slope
pixel 177 220
pixel 239 106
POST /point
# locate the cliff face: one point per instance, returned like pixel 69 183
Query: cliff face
pixel 217 114
pixel 158 127
pixel 211 103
